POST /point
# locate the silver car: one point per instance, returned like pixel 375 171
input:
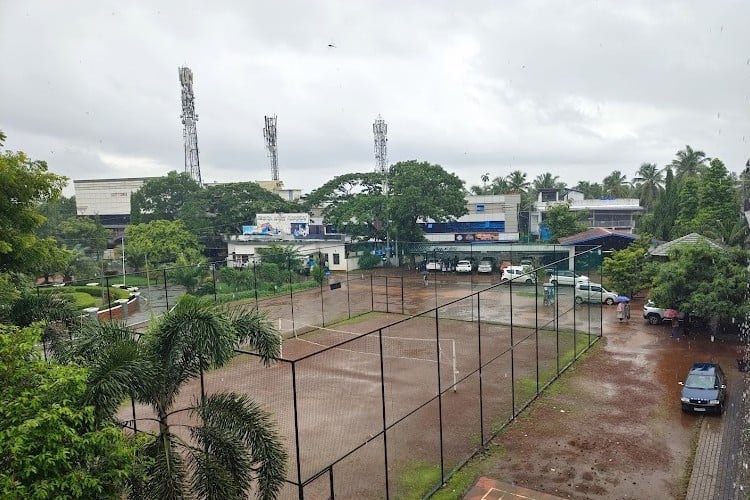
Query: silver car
pixel 594 292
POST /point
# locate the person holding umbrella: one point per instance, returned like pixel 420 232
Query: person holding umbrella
pixel 623 307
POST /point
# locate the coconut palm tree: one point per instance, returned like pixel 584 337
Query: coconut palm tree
pixel 547 181
pixel 590 190
pixel 517 182
pixel 230 444
pixel 689 162
pixel 616 185
pixel 649 180
pixel 498 186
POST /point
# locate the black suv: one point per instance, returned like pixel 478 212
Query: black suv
pixel 704 389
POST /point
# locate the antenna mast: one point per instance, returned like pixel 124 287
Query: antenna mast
pixel 189 132
pixel 380 129
pixel 269 133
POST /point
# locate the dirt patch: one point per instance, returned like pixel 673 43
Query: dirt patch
pixel 615 430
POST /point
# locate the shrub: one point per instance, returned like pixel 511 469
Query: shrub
pixel 369 261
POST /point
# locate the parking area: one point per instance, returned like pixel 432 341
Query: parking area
pixel 617 430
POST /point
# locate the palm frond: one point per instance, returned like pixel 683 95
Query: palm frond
pixel 238 416
pixel 118 371
pixel 222 466
pixel 253 327
pixel 167 473
pixel 195 334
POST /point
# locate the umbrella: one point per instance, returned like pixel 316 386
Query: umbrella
pixel 622 298
pixel 671 313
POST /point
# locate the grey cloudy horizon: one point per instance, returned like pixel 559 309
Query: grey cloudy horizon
pixel 578 89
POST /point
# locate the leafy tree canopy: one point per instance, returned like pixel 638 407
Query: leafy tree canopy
pixel 421 191
pixel 162 198
pixel 225 208
pixel 24 185
pixel 51 445
pixel 89 233
pixel 159 241
pixel 625 268
pixel 701 280
pixel 417 191
pixel 235 447
pixel 562 221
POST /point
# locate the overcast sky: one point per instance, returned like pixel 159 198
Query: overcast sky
pixel 576 88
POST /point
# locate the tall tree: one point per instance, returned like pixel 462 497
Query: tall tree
pixel 716 197
pixel 24 185
pixel 689 204
pixel 162 198
pixel 625 268
pixel 499 185
pixel 52 446
pixel 229 444
pixel 590 190
pixel 225 208
pixel 688 162
pixel 547 181
pixel 90 233
pixel 354 204
pixel 666 209
pixel 699 279
pixel 159 242
pixel 561 221
pixel 517 182
pixel 55 213
pixel 616 185
pixel 409 182
pixel 649 181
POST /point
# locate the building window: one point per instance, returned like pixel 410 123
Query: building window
pixel 336 259
pixel 480 208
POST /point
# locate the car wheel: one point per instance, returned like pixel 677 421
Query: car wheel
pixel 529 281
pixel 609 301
pixel 720 408
pixel 653 319
pixel 579 300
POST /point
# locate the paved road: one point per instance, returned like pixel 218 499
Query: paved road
pixel 721 459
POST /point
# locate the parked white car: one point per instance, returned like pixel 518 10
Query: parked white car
pixel 594 292
pixel 522 274
pixel 464 266
pixel 567 278
pixel 433 265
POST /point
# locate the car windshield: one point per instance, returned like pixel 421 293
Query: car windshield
pixel 695 381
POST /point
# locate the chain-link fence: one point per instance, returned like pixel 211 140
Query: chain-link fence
pixel 390 373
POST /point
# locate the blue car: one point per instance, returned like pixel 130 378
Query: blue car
pixel 704 389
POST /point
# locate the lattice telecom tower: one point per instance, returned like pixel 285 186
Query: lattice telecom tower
pixel 189 133
pixel 380 129
pixel 269 133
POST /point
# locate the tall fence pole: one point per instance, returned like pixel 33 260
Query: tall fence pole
pixel 384 413
pixel 109 299
pixel 296 431
pixel 166 288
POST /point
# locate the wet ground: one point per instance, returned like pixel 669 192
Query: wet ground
pixel 616 430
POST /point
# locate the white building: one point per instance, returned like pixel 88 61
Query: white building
pixel 107 199
pixel 491 219
pixel 618 214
